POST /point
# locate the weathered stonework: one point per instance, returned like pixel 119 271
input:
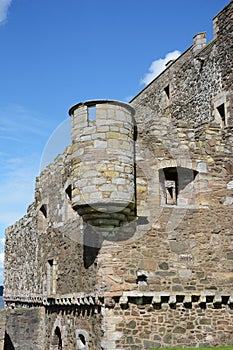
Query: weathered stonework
pixel 2 328
pixel 129 243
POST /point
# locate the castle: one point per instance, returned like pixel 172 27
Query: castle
pixel 129 241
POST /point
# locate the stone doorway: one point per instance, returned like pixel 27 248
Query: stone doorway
pixel 56 340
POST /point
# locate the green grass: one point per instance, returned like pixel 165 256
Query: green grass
pixel 209 348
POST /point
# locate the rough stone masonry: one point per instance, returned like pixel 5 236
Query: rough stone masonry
pixel 129 241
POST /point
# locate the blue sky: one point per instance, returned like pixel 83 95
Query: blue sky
pixel 56 53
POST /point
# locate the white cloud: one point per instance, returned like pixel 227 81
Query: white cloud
pixel 4 5
pixel 158 66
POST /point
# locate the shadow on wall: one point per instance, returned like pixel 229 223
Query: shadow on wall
pixel 92 244
pixel 94 237
pixel 8 343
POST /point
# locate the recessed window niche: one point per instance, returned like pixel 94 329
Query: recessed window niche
pixel 177 186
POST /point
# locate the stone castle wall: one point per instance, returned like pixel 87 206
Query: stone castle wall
pixel 181 250
pixel 2 327
pixel 38 239
pixel 184 246
pixel 25 329
pixel 152 326
pixel 158 274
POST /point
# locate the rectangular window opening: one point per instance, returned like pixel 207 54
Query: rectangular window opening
pixel 177 186
pixel 167 91
pixel 43 210
pixel 50 262
pixel 221 111
pixel 51 277
pixel 171 193
pixel 69 192
pixel 91 113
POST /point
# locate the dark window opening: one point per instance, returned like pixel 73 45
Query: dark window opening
pixel 221 111
pixel 42 218
pixel 176 185
pixel 91 112
pixel 43 210
pixel 69 192
pixel 56 339
pixel 167 91
pixel 50 262
pixel 51 277
pixel 142 279
pixel 171 190
pixel 82 339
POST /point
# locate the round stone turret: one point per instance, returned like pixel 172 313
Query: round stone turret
pixel 103 162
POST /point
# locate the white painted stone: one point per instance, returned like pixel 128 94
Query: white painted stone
pixel 230 185
pixel 185 273
pixel 228 201
pixel 201 167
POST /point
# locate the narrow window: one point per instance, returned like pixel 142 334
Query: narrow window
pixel 69 212
pixel 170 186
pixel 42 218
pixel 221 112
pixel 177 186
pixel 142 279
pixel 56 340
pixel 91 113
pixel 69 192
pixel 167 91
pixel 51 277
pixel 43 210
pixel 82 339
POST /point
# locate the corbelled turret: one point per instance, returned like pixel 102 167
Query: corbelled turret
pixel 103 162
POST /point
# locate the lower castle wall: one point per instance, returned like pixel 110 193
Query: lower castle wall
pixel 25 329
pixel 145 327
pixel 2 327
pixel 134 326
pixel 71 322
pixel 40 328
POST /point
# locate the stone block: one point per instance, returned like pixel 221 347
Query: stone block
pixel 99 144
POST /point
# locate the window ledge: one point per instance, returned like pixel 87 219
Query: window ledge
pixel 184 206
